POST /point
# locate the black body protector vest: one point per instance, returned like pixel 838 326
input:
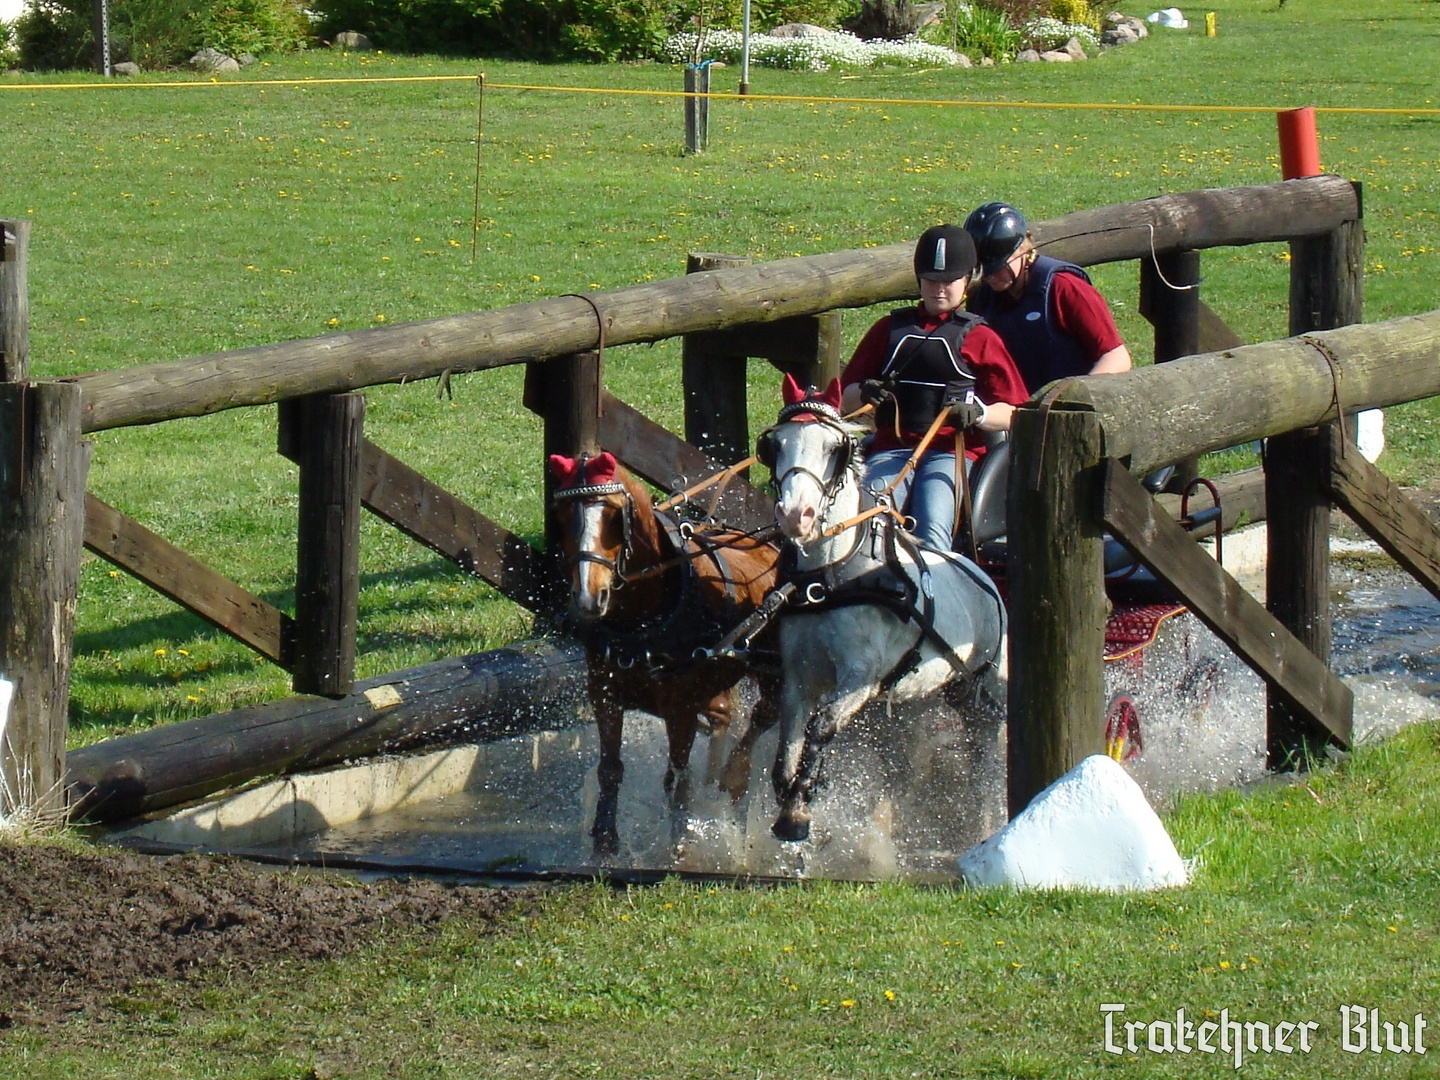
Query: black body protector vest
pixel 926 368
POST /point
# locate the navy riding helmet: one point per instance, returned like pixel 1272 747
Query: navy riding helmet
pixel 998 230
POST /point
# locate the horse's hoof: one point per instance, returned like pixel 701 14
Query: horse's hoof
pixel 791 829
pixel 607 841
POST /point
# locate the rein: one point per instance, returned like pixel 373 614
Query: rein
pixel 883 502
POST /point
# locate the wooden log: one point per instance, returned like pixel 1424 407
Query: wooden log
pixel 1055 567
pixel 1220 603
pixel 429 514
pixel 1378 506
pixel 1156 415
pixel 1170 300
pixel 1326 291
pixel 43 464
pixel 190 583
pixel 525 687
pixel 717 419
pixel 654 310
pixel 14 301
pixel 326 432
pixel 671 464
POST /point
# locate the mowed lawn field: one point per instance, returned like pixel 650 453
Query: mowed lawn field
pixel 174 221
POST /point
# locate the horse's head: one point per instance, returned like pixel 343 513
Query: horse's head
pixel 808 452
pixel 596 513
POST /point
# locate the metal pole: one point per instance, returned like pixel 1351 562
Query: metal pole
pixel 102 37
pixel 745 50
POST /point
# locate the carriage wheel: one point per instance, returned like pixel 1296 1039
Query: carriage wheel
pixel 1123 741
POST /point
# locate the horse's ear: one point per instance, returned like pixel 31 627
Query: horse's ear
pixel 831 396
pixel 562 468
pixel 600 469
pixel 791 392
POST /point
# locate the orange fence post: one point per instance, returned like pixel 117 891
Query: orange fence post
pixel 1299 143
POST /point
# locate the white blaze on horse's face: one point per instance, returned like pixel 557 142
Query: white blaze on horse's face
pixel 806 456
pixel 591 582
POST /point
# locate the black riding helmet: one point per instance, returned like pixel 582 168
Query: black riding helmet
pixel 944 253
pixel 998 230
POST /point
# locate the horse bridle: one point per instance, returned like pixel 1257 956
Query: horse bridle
pixel 830 418
pixel 586 494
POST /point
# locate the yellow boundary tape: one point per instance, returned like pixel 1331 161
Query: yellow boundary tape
pixel 930 102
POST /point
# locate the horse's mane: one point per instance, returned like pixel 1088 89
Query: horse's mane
pixel 647 530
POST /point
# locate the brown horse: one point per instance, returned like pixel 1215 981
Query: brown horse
pixel 649 599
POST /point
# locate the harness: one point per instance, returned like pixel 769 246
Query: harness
pixel 685 632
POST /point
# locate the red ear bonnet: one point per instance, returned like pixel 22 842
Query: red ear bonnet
pixel 600 469
pixel 792 393
pixel 562 468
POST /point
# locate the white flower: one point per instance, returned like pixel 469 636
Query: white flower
pixel 811 53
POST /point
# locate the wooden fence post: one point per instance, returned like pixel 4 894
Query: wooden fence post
pixel 1057 599
pixel 14 301
pixel 697 109
pixel 565 390
pixel 323 434
pixel 1173 309
pixel 716 407
pixel 43 465
pixel 1326 291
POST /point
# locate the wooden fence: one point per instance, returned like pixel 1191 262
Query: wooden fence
pixel 727 311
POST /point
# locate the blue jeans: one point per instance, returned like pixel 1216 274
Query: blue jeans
pixel 927 494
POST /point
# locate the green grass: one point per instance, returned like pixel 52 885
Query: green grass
pixel 175 221
pixel 1307 897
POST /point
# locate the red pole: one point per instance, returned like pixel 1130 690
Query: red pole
pixel 1299 143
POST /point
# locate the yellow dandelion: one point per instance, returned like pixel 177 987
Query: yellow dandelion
pixel 847 1004
pixel 182 652
pixel 192 698
pixel 379 318
pixel 1225 964
pixel 534 277
pixel 889 995
pixel 333 322
pixel 115 573
pixel 159 652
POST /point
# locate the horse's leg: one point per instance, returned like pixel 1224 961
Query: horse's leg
pixel 735 777
pixel 835 711
pixel 609 720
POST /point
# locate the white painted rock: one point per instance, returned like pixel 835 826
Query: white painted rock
pixel 1091 829
pixel 1171 17
pixel 1370 433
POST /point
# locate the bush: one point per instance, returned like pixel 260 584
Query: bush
pixel 1047 33
pixel 977 31
pixel 9 57
pixel 58 34
pixel 605 30
pixel 55 35
pixel 1075 12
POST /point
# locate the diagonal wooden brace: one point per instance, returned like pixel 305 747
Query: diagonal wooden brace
pixel 1377 505
pixel 1235 616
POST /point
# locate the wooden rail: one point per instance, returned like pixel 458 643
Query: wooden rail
pixel 717 300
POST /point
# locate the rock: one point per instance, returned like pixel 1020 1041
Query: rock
pixel 1075 49
pixel 1119 35
pixel 1174 18
pixel 246 59
pixel 1056 56
pixel 1028 56
pixel 801 30
pixel 353 40
pixel 892 20
pixel 987 61
pixel 126 67
pixel 208 59
pixel 961 60
pixel 1115 19
pixel 1091 829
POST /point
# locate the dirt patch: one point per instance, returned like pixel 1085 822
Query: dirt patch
pixel 79 929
